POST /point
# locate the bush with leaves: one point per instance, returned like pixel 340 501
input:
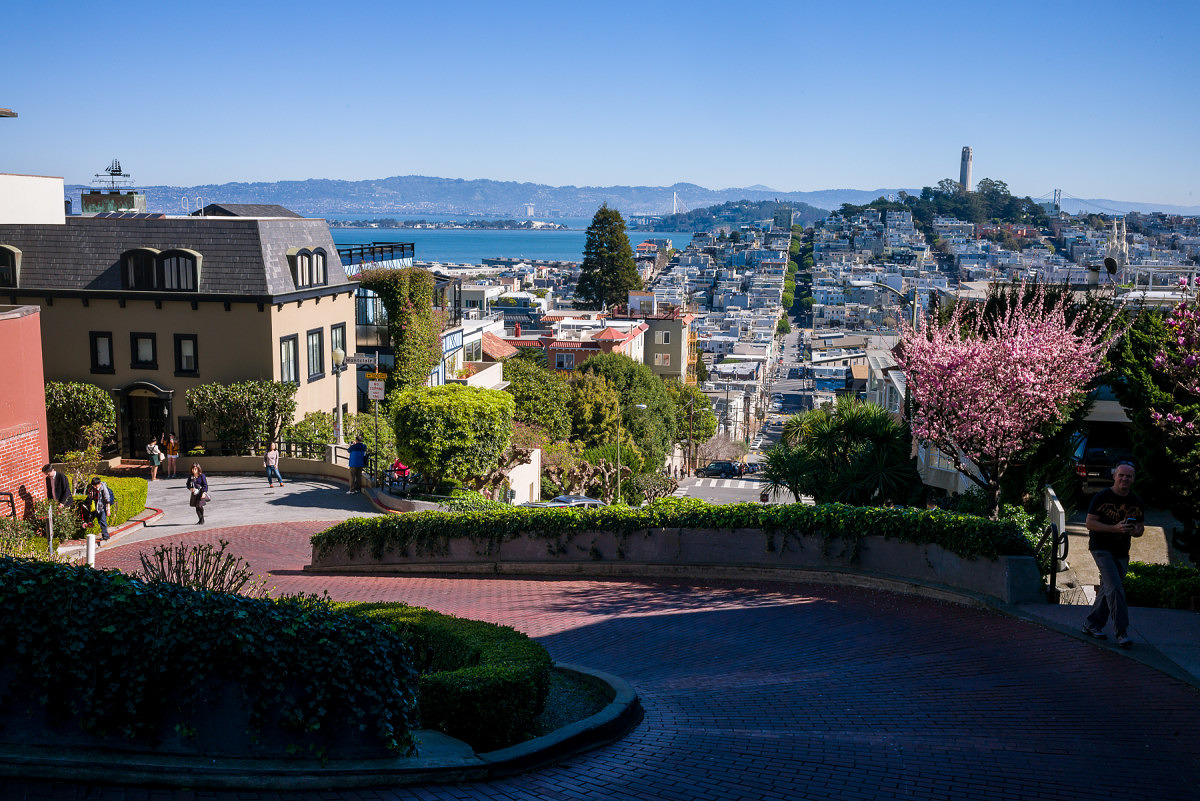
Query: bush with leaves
pixel 541 397
pixel 652 428
pixel 408 295
pixel 247 411
pixel 78 415
pixel 452 432
pixel 309 677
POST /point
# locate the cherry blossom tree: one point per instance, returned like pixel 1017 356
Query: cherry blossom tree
pixel 986 387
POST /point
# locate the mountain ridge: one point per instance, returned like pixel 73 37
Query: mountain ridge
pixel 420 194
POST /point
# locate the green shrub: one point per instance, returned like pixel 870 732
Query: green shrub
pixel 1162 586
pixel 429 533
pixel 482 683
pixel 122 658
pixel 130 493
pixel 464 500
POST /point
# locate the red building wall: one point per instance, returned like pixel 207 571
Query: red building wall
pixel 23 441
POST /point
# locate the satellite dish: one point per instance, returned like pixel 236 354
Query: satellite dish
pixel 1110 264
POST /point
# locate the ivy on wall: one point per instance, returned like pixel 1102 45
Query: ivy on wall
pixel 414 327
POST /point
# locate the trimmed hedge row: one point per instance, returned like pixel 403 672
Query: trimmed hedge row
pixel 428 533
pixel 481 683
pixel 1162 586
pixel 128 659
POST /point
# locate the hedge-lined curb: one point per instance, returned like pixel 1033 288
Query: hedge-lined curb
pixel 429 533
pixel 103 655
pixel 481 683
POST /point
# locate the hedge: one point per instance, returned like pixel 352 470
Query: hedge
pixel 123 658
pixel 131 500
pixel 1162 586
pixel 481 683
pixel 429 533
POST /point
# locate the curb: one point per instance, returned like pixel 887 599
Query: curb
pixel 447 760
pixel 129 525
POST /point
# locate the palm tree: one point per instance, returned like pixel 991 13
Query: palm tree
pixel 856 453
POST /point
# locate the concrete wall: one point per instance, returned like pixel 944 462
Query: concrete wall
pixel 23 435
pixel 1012 579
pixel 31 199
pixel 253 465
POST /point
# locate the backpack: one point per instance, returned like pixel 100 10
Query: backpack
pixel 112 499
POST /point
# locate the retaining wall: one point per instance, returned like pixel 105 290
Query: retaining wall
pixel 675 551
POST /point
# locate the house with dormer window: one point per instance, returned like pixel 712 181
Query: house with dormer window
pixel 148 306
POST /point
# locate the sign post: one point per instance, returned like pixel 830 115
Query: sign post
pixel 375 391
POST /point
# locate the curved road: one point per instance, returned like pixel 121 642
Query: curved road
pixel 784 691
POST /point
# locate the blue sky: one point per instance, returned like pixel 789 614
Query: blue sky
pixel 1099 99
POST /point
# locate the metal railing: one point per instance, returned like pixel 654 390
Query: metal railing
pixel 292 449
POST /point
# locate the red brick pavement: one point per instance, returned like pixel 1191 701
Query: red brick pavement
pixel 774 691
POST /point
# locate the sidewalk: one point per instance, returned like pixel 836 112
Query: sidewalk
pixel 240 501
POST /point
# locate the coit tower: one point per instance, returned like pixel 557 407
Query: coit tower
pixel 964 172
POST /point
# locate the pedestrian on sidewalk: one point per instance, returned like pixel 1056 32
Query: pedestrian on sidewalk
pixel 358 460
pixel 58 486
pixel 102 500
pixel 271 463
pixel 1114 516
pixel 171 446
pixel 155 454
pixel 197 483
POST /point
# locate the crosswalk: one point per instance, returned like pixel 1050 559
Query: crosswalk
pixel 726 483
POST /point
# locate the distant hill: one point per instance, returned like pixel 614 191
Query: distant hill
pixel 413 195
pixel 733 213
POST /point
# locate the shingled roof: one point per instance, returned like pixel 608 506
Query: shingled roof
pixel 496 349
pixel 245 210
pixel 239 256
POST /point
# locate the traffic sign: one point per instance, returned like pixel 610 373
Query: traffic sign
pixel 375 390
pixel 361 358
pixel 376 376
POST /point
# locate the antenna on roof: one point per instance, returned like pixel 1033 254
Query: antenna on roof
pixel 112 177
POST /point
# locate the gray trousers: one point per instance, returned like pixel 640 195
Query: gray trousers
pixel 1110 598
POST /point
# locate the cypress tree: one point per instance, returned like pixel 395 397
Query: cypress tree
pixel 608 271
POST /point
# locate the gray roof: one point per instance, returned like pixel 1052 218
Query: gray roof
pixel 240 256
pixel 245 210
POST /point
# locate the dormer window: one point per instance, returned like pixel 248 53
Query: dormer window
pixel 10 263
pixel 308 267
pixel 138 269
pixel 179 271
pixel 148 270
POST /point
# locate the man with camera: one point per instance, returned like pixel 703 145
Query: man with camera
pixel 1115 515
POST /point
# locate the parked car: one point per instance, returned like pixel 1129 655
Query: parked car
pixel 717 470
pixel 578 501
pixel 1100 448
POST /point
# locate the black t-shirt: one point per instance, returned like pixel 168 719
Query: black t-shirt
pixel 1112 509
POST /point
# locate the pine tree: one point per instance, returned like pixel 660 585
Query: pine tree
pixel 608 271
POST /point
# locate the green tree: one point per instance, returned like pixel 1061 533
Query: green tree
pixel 695 422
pixel 247 411
pixel 593 410
pixel 316 428
pixel 542 397
pixel 652 428
pixel 452 432
pixel 75 412
pixel 857 453
pixel 414 327
pixel 608 271
pixel 701 371
pixel 783 326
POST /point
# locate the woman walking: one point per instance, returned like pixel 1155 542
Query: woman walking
pixel 172 448
pixel 198 485
pixel 155 455
pixel 271 463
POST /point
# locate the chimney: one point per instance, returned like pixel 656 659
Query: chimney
pixel 517 330
pixel 1093 278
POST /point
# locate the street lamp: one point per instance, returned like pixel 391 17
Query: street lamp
pixel 339 367
pixel 639 406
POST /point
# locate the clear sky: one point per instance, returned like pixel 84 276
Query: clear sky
pixel 1100 99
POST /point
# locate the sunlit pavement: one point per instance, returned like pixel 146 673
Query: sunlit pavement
pixel 777 691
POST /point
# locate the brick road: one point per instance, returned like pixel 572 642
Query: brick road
pixel 785 691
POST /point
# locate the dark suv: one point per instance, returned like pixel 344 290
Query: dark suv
pixel 1100 448
pixel 717 470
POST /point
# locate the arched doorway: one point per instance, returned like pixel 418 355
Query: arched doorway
pixel 145 413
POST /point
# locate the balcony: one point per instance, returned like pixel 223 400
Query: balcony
pixel 376 254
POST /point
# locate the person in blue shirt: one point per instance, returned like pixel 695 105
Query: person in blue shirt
pixel 358 460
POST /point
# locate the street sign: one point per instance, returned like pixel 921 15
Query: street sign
pixel 376 376
pixel 375 390
pixel 361 358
